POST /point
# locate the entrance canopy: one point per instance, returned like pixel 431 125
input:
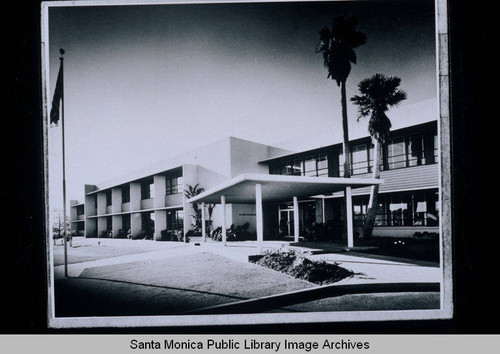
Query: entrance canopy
pixel 241 189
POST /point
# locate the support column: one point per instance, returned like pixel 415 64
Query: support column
pixel 135 224
pixel 223 205
pixel 323 211
pixel 203 223
pixel 259 217
pixel 296 219
pixel 160 223
pixel 160 191
pixel 348 204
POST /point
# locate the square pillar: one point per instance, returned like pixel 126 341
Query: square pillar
pixel 203 223
pixel 323 212
pixel 101 203
pixel 90 227
pixel 117 225
pixel 160 183
pixel 223 205
pixel 102 225
pixel 135 224
pixel 296 225
pixel 349 217
pixel 259 217
pixel 116 200
pixel 160 222
pixel 135 196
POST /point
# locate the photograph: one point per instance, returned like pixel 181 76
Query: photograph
pixel 246 162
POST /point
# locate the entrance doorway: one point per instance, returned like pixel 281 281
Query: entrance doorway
pixel 286 221
pixel 307 217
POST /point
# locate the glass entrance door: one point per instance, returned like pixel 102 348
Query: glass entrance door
pixel 286 222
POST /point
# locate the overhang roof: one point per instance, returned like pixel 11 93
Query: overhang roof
pixel 241 189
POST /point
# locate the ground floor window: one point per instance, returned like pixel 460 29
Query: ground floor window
pixel 419 208
pixel 148 223
pixel 126 222
pixel 109 223
pixel 175 220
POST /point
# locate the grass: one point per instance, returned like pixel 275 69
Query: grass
pixel 295 264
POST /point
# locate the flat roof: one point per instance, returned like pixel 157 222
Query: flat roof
pixel 241 189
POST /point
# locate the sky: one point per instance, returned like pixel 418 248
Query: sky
pixel 144 83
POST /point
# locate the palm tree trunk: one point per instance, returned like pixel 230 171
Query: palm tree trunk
pixel 371 213
pixel 346 146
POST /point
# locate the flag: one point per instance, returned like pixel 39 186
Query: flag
pixel 58 94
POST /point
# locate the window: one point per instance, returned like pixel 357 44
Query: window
pixel 322 165
pixel 126 222
pixel 360 206
pixel 371 156
pixel 126 193
pixel 108 197
pixel 109 223
pixel 436 148
pixel 400 209
pixel 175 220
pixel 416 150
pixel 359 159
pixel 147 189
pixel 148 223
pixel 396 153
pixel 341 163
pixel 174 184
pixel 80 210
pixel 312 166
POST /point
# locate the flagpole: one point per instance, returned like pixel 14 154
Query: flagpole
pixel 61 58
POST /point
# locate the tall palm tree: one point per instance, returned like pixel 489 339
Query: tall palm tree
pixel 337 45
pixel 378 93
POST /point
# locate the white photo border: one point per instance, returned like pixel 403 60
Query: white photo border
pixel 446 261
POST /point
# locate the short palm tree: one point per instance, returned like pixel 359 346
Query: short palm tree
pixel 378 93
pixel 337 45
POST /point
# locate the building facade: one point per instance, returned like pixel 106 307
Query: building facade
pixel 150 201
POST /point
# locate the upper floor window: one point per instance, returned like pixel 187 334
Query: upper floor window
pixel 312 166
pixel 80 210
pixel 126 193
pixel 361 160
pixel 174 184
pixel 436 147
pixel 396 153
pixel 108 197
pixel 416 153
pixel 147 189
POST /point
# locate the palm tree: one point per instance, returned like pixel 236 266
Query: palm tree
pixel 378 93
pixel 337 45
pixel 191 192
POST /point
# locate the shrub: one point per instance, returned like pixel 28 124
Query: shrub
pixel 106 234
pixel 298 266
pixel 121 234
pixel 170 235
pixel 233 233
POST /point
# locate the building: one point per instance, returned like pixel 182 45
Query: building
pixel 301 189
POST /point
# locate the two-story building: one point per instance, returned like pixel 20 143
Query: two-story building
pixel 154 199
